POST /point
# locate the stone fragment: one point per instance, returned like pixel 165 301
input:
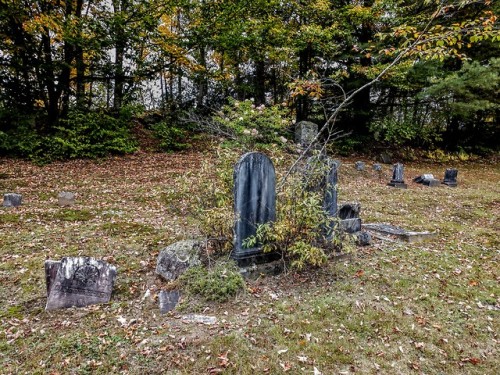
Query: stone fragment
pixel 450 177
pixel 66 198
pixel 254 202
pixel 350 210
pixel 363 238
pixel 399 233
pixel 398 177
pixel 359 165
pixel 12 200
pixel 79 282
pixel 176 258
pixel 350 225
pixel 168 300
pixel 203 319
pixel 305 133
pixel 377 167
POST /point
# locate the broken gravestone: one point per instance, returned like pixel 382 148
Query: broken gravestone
pixel 348 213
pixel 66 198
pixel 177 258
pixel 398 177
pixel 399 233
pixel 450 177
pixel 12 200
pixel 427 180
pixel 254 204
pixel 168 300
pixel 359 165
pixel 78 282
pixel 305 133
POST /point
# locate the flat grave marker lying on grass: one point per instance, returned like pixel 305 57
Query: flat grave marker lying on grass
pixel 78 282
pixel 399 233
pixel 254 203
pixel 398 177
pixel 12 200
pixel 168 300
pixel 66 198
pixel 450 177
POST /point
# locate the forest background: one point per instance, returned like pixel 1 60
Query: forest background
pixel 88 78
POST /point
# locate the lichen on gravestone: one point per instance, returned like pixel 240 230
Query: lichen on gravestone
pixel 176 258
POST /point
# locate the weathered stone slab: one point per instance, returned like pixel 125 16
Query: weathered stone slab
pixel 176 258
pixel 79 282
pixel 399 233
pixel 254 201
pixel 51 268
pixel 359 165
pixel 427 180
pixel 203 319
pixel 66 198
pixel 349 210
pixel 168 300
pixel 450 177
pixel 305 133
pixel 12 200
pixel 398 177
pixel 350 225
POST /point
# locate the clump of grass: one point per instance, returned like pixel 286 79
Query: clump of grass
pixel 73 215
pixel 9 218
pixel 122 227
pixel 216 284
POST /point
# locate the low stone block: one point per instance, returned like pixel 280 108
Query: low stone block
pixel 359 165
pixel 363 238
pixel 168 300
pixel 12 200
pixel 176 258
pixel 66 198
pixel 79 282
pixel 377 167
pixel 432 182
pixel 350 225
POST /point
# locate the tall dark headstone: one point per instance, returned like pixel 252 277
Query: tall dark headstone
pixel 331 189
pixel 397 177
pixel 254 203
pixel 450 177
pixel 79 282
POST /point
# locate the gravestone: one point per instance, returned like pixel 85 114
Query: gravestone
pixel 176 258
pixel 398 232
pixel 79 282
pixel 350 210
pixel 254 204
pixel 12 200
pixel 377 167
pixel 331 189
pixel 450 177
pixel 385 158
pixel 359 165
pixel 305 133
pixel 66 198
pixel 427 180
pixel 168 300
pixel 363 238
pixel 398 177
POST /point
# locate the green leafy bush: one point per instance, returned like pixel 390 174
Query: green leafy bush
pixel 213 284
pixel 250 125
pixel 170 137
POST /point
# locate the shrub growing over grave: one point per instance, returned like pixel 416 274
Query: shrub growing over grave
pixel 213 284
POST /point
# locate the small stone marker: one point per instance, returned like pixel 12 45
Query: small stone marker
pixel 168 300
pixel 12 200
pixel 203 319
pixel 254 202
pixel 397 177
pixel 359 165
pixel 66 198
pixel 79 282
pixel 177 258
pixel 305 133
pixel 399 233
pixel 363 238
pixel 427 180
pixel 385 158
pixel 450 177
pixel 377 167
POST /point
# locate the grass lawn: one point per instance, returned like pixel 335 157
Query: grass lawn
pixel 390 308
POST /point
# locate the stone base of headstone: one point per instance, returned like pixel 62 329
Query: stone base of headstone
pixel 176 258
pixel 432 182
pixel 78 282
pixel 363 238
pixel 399 185
pixel 66 198
pixel 12 200
pixel 350 225
pixel 450 183
pixel 399 233
pixel 168 300
pixel 254 257
pixel 255 270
